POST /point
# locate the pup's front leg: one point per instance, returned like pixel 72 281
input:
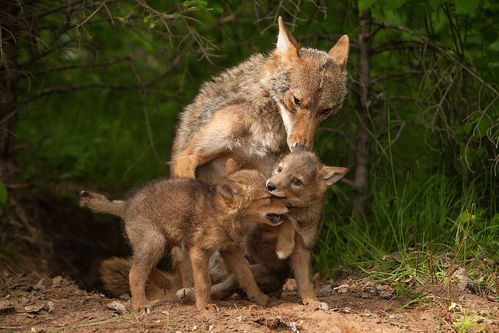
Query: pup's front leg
pixel 234 259
pixel 300 262
pixel 202 282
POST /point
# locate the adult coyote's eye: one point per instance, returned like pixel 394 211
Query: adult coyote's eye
pixel 297 101
pixel 326 111
pixel 296 181
pixel 279 169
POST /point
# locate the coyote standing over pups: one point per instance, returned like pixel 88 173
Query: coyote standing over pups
pixel 259 110
pixel 204 218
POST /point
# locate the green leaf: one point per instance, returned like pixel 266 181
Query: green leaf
pixel 394 4
pixel 365 4
pixel 3 193
pixel 466 6
pixel 218 10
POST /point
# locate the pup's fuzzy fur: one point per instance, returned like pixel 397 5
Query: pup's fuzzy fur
pixel 202 217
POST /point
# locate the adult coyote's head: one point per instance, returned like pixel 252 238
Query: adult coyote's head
pixel 308 85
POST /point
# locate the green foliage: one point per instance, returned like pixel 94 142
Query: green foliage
pixel 3 196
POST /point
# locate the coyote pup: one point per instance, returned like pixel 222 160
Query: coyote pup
pixel 203 217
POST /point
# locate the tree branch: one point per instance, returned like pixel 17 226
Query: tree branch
pixel 440 50
pixel 84 65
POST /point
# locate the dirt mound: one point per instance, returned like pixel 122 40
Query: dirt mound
pixel 35 303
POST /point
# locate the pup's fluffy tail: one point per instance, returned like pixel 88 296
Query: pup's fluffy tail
pixel 99 203
pixel 114 275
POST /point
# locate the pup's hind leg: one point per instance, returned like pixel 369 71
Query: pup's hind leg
pixel 148 248
pixel 183 267
pixel 234 259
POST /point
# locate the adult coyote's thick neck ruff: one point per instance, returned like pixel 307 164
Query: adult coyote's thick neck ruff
pixel 259 109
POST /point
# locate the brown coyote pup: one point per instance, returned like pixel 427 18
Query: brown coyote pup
pixel 202 217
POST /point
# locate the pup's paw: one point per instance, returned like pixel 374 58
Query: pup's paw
pixel 261 299
pixel 183 293
pixel 290 285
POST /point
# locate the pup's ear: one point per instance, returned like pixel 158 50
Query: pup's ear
pixel 339 52
pixel 231 166
pixel 227 189
pixel 332 174
pixel 287 46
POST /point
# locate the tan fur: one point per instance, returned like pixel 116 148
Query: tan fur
pixel 258 111
pixel 114 275
pixel 202 217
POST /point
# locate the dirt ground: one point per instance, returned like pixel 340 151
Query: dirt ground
pixel 42 304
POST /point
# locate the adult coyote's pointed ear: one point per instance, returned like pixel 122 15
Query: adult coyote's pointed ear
pixel 339 52
pixel 287 47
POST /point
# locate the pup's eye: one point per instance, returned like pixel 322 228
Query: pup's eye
pixel 297 101
pixel 279 169
pixel 326 111
pixel 296 181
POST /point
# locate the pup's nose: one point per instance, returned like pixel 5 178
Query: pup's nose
pixel 300 147
pixel 271 186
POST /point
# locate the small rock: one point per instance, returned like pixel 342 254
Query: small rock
pixel 454 307
pixel 34 309
pixel 393 316
pixel 24 300
pixel 57 281
pixel 116 307
pixel 49 306
pixel 463 279
pixel 342 289
pixel 39 285
pixel 385 291
pixel 6 307
pixel 327 289
pixel 346 310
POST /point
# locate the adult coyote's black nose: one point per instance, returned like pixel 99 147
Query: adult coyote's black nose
pixel 271 186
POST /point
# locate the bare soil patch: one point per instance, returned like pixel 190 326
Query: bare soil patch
pixel 41 304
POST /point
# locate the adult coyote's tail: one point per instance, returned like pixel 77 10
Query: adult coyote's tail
pixel 99 203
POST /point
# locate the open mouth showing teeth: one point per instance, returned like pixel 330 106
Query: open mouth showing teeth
pixel 275 218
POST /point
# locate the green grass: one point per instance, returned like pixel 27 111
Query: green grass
pixel 416 232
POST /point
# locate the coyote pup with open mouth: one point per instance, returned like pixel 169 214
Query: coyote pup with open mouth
pixel 203 217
